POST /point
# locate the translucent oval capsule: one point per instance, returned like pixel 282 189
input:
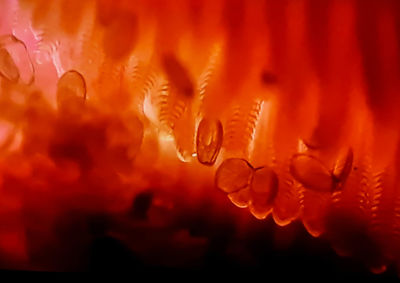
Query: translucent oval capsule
pixel 177 75
pixel 311 173
pixel 233 175
pixel 264 188
pixel 15 63
pixel 71 90
pixel 208 141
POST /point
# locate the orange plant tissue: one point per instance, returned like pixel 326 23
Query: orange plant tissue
pixel 172 128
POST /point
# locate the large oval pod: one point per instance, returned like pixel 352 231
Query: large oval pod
pixel 208 141
pixel 15 63
pixel 233 175
pixel 71 90
pixel 311 173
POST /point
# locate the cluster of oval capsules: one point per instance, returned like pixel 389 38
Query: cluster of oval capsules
pixel 257 188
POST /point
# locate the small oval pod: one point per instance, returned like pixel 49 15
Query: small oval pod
pixel 178 76
pixel 264 188
pixel 233 175
pixel 208 141
pixel 15 63
pixel 311 173
pixel 71 90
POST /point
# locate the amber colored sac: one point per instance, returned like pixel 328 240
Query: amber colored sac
pixel 142 134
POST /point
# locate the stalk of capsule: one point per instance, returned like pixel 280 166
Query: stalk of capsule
pixel 255 188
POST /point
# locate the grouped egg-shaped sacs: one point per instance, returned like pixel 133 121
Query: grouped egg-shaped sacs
pixel 208 141
pixel 15 62
pixel 71 92
pixel 255 188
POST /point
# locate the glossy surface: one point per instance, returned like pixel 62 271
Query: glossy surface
pixel 208 141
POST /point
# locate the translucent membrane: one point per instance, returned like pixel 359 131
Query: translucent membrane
pixel 233 174
pixel 208 141
pixel 15 63
pixel 311 173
